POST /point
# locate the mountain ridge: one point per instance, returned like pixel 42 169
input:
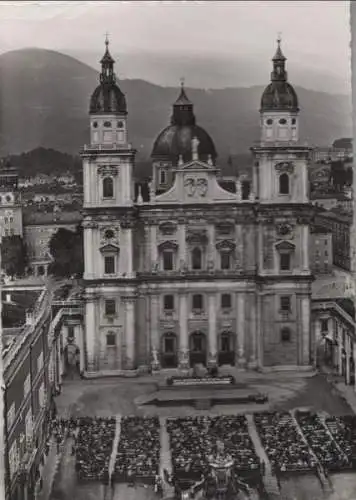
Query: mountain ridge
pixel 44 101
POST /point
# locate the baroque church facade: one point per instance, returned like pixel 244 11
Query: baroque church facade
pixel 196 274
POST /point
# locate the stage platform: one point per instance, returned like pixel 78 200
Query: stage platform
pixel 201 398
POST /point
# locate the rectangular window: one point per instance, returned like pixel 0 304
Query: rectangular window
pixel 27 385
pixel 109 264
pixel 225 260
pixel 285 303
pixel 11 417
pixel 197 302
pixel 110 307
pixel 111 340
pixel 167 260
pixel 162 176
pixel 168 302
pixel 120 136
pixel 285 262
pixel 324 325
pixel 107 136
pixel 226 301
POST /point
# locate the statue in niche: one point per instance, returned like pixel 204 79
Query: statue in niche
pixel 155 266
pixel 182 266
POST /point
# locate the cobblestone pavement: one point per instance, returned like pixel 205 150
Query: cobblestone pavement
pixel 286 391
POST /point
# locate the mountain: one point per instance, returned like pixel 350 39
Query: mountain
pixel 44 100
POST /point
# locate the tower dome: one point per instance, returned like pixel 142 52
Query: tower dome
pixel 279 95
pixel 107 97
pixel 176 139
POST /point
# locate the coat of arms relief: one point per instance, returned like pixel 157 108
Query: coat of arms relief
pixel 195 186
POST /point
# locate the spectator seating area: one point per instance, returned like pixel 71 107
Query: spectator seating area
pixel 321 442
pixel 194 439
pixel 343 430
pixel 94 447
pixel 284 446
pixel 138 453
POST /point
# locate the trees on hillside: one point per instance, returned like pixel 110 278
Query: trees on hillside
pixel 66 248
pixel 13 255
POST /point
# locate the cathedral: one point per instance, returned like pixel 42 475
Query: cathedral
pixel 194 273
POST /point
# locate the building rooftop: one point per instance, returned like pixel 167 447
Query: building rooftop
pixel 34 217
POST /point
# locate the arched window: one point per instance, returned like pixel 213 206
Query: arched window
pixel 196 258
pixel 108 187
pixel 284 184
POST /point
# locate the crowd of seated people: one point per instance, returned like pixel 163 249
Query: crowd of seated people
pixel 193 440
pixel 343 430
pixel 320 441
pixel 93 447
pixel 138 453
pixel 285 447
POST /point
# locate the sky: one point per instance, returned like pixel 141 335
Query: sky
pixel 315 34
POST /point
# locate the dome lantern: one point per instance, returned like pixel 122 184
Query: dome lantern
pixel 279 104
pixel 107 98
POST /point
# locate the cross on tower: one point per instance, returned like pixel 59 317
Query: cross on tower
pixel 279 37
pixel 106 38
pixel 182 81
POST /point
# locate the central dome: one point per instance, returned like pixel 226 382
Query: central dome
pixel 176 139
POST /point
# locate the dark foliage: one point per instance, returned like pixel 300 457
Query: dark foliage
pixel 13 255
pixel 66 248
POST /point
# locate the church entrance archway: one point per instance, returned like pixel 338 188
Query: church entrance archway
pixel 226 349
pixel 169 358
pixel 197 349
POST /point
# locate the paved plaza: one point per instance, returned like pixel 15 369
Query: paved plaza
pixel 111 397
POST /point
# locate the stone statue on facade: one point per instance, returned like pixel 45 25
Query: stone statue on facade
pixel 155 360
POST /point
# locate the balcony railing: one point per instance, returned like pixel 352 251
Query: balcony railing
pixel 106 147
pixel 203 273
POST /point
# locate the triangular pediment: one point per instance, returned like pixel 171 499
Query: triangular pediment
pixel 109 248
pixel 285 246
pixel 196 165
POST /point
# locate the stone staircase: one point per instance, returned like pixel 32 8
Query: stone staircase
pixel 321 474
pixel 269 480
pixel 165 458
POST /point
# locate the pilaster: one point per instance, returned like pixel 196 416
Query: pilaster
pixel 213 354
pixel 153 245
pixel 211 246
pixel 183 355
pixel 253 332
pixel 90 332
pixel 130 340
pixel 305 331
pixel 240 308
pixel 154 332
pixel 182 253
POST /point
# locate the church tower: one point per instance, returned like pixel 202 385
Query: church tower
pixel 281 189
pixel 108 221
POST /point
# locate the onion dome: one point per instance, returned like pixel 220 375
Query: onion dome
pixel 176 139
pixel 279 95
pixel 107 97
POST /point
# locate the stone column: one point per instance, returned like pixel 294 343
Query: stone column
pixel 129 333
pixel 253 331
pixel 81 348
pixel 183 332
pixel 88 252
pixel 239 247
pixel 240 308
pixel 90 333
pixel 153 246
pixel 305 331
pixel 129 254
pixel 305 248
pixel 339 351
pixel 211 257
pixel 213 348
pixel 155 340
pixel 182 257
pixel 348 352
